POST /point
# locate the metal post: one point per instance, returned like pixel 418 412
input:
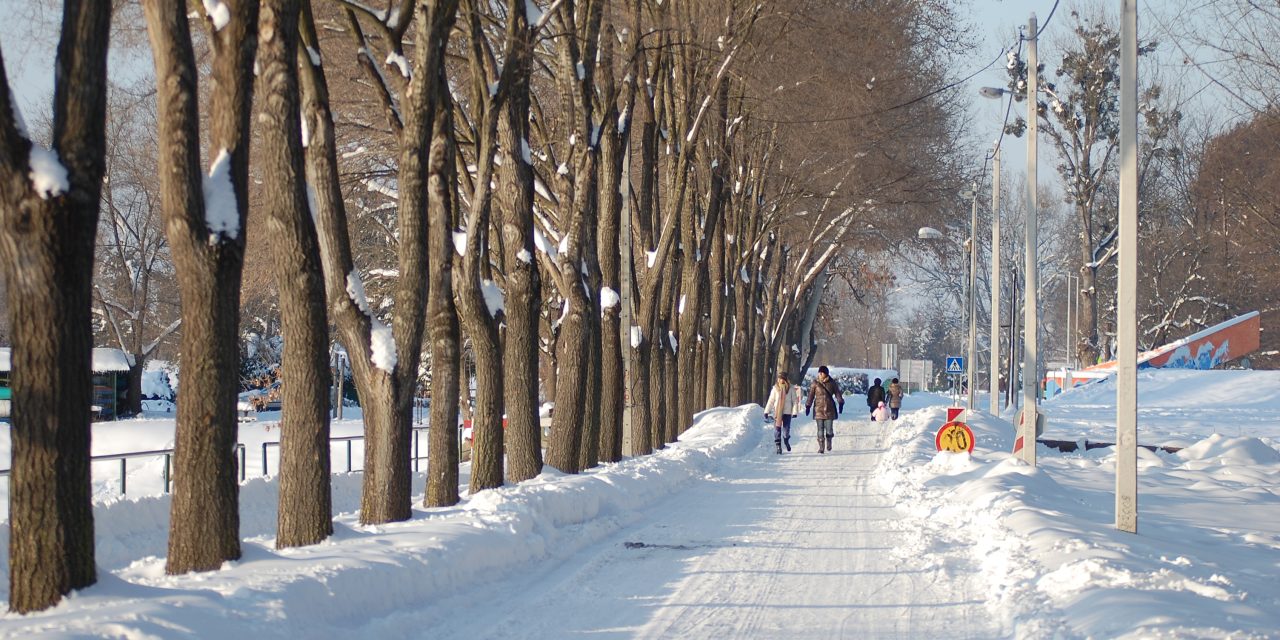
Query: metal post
pixel 1127 294
pixel 123 471
pixel 1070 331
pixel 337 408
pixel 167 461
pixel 971 365
pixel 1031 279
pixel 415 450
pixel 264 459
pixel 994 379
pixel 348 456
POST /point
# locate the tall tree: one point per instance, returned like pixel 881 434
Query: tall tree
pixel 1080 116
pixel 385 358
pixel 305 513
pixel 49 201
pixel 204 216
pixel 524 286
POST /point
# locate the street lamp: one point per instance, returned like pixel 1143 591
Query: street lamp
pixel 971 298
pixel 1030 377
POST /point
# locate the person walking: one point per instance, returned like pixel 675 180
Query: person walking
pixel 881 413
pixel 826 402
pixel 895 398
pixel 875 395
pixel 785 400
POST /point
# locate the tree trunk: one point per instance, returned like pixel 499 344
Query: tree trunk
pixel 207 240
pixel 716 371
pixel 305 514
pixel 612 402
pixel 46 246
pixel 446 342
pixel 133 405
pixel 524 287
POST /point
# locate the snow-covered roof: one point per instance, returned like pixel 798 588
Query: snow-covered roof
pixel 104 360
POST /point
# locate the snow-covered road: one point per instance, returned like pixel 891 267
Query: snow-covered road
pixel 799 545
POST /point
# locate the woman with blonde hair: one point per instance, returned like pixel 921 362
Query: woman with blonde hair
pixel 785 400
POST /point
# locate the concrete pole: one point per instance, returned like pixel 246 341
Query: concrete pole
pixel 994 381
pixel 1127 295
pixel 971 359
pixel 624 186
pixel 1031 276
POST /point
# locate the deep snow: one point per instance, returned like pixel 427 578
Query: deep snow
pixel 883 538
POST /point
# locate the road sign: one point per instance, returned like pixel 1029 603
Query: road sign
pixel 955 365
pixel 955 414
pixel 955 437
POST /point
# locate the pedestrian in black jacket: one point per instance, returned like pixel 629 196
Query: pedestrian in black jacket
pixel 875 395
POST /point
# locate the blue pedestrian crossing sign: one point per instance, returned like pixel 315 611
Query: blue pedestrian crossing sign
pixel 955 365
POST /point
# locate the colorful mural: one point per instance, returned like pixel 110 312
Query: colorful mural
pixel 1205 349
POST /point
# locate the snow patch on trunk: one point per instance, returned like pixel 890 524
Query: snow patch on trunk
pixel 48 176
pixel 218 13
pixel 221 213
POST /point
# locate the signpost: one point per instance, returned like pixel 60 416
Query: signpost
pixel 955 369
pixel 954 436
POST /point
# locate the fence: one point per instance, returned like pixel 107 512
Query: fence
pixel 348 440
pixel 167 474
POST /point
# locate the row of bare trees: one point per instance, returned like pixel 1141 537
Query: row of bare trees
pixel 581 194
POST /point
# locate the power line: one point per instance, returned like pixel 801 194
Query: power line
pixel 1046 20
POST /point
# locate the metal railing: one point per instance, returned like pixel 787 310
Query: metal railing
pixel 348 440
pixel 166 474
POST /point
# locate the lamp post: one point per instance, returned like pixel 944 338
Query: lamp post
pixel 1031 275
pixel 971 305
pixel 1127 281
pixel 971 361
pixel 993 383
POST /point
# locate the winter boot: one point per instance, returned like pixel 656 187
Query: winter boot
pixel 829 447
pixel 787 441
pixel 822 444
pixel 779 446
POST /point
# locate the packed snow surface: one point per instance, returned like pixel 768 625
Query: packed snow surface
pixel 718 536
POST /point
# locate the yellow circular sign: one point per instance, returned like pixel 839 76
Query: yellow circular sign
pixel 955 437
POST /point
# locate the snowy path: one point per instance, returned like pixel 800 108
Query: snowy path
pixel 798 545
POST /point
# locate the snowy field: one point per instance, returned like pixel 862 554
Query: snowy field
pixel 717 536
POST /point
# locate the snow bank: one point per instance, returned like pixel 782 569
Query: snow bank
pixel 1043 538
pixel 364 573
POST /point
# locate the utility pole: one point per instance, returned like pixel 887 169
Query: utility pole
pixel 994 381
pixel 1031 278
pixel 1127 294
pixel 626 295
pixel 971 364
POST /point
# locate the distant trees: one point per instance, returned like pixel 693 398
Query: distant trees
pixel 49 202
pixel 135 296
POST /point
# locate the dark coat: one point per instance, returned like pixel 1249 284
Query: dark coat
pixel 824 398
pixel 875 395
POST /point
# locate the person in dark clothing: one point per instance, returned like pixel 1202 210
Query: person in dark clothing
pixel 875 395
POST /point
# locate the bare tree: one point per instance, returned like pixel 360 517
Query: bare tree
pixel 305 512
pixel 136 299
pixel 204 216
pixel 49 202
